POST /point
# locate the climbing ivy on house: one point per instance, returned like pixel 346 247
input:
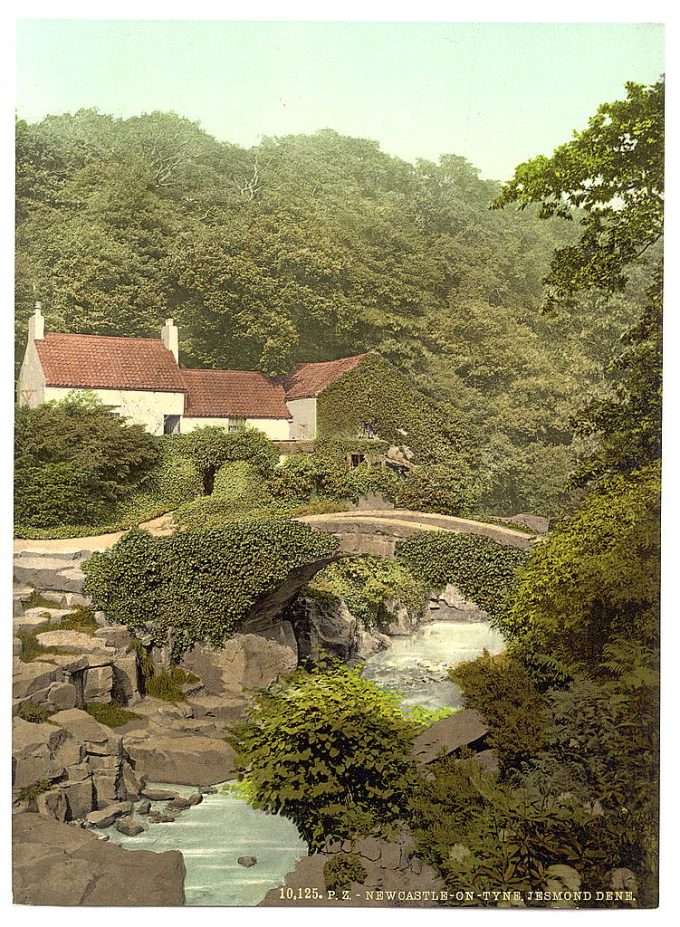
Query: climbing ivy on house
pixel 376 393
pixel 197 585
pixel 484 571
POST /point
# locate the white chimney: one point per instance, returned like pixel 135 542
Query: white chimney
pixel 36 324
pixel 170 337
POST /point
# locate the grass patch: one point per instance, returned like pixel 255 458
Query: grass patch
pixel 81 620
pixel 111 715
pixel 37 600
pixel 167 685
pixel 31 792
pixel 31 650
pixel 35 714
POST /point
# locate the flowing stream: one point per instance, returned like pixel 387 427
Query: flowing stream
pixel 212 835
pixel 417 665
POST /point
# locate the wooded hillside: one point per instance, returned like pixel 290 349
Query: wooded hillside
pixel 308 248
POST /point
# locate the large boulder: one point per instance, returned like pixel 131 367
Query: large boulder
pixel 58 864
pixel 325 626
pixel 98 739
pixel 185 760
pixel 461 729
pixel 33 753
pixel 29 678
pixel 56 574
pixel 246 662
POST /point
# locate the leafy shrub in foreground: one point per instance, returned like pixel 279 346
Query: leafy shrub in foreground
pixel 331 751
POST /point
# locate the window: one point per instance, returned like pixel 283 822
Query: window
pixel 171 424
pixel 237 424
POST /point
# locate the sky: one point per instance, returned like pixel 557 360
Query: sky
pixel 496 93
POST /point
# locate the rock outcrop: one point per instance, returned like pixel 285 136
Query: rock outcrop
pixel 62 864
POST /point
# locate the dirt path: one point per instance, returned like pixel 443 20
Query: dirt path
pixel 160 526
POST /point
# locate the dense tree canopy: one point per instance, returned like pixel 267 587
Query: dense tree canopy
pixel 308 248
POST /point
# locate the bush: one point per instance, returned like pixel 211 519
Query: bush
pixel 331 751
pixel 340 871
pixel 198 584
pixel 297 478
pixel 239 489
pixel 212 446
pixel 74 462
pixel 504 693
pixel 594 580
pixel 35 714
pixel 439 488
pixel 484 571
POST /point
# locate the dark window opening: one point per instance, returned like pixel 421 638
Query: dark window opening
pixel 171 424
pixel 355 460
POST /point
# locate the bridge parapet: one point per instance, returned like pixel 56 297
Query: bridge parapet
pixel 379 532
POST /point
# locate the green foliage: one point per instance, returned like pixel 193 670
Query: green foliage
pixel 484 571
pixel 370 586
pixel 81 620
pixel 376 392
pixel 168 684
pixel 36 714
pixel 212 446
pixel 593 581
pixel 111 715
pixel 74 462
pixel 30 792
pixel 239 490
pixel 198 584
pixel 613 174
pixel 297 478
pixel 331 751
pixel 341 870
pixel 37 600
pixel 502 690
pixel 439 488
pixel 31 648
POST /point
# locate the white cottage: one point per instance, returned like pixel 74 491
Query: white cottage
pixel 140 378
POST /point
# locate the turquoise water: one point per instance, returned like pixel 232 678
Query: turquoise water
pixel 211 837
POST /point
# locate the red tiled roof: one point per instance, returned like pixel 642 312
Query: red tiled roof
pixel 104 362
pixel 224 393
pixel 307 380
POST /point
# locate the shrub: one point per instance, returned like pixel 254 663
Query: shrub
pixel 81 619
pixel 239 488
pixel 74 461
pixel 439 488
pixel 167 684
pixel 504 693
pixel 212 446
pixel 341 870
pixel 594 580
pixel 30 792
pixel 111 715
pixel 36 714
pixel 297 478
pixel 331 751
pixel 484 571
pixel 198 584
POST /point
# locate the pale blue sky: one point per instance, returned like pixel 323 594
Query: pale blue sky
pixel 497 93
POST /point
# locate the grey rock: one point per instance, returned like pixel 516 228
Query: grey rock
pixel 247 861
pixel 58 864
pixel 191 760
pixel 177 804
pixel 79 797
pixel 99 684
pixel 62 695
pixel 129 828
pixel 31 677
pixel 144 807
pixel 195 798
pixel 53 805
pixel 104 817
pixel 445 736
pixel 159 794
pixel 158 817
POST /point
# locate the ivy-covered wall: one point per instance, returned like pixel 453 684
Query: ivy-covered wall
pixel 376 392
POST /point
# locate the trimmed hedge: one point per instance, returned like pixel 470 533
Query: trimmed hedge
pixel 484 571
pixel 197 585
